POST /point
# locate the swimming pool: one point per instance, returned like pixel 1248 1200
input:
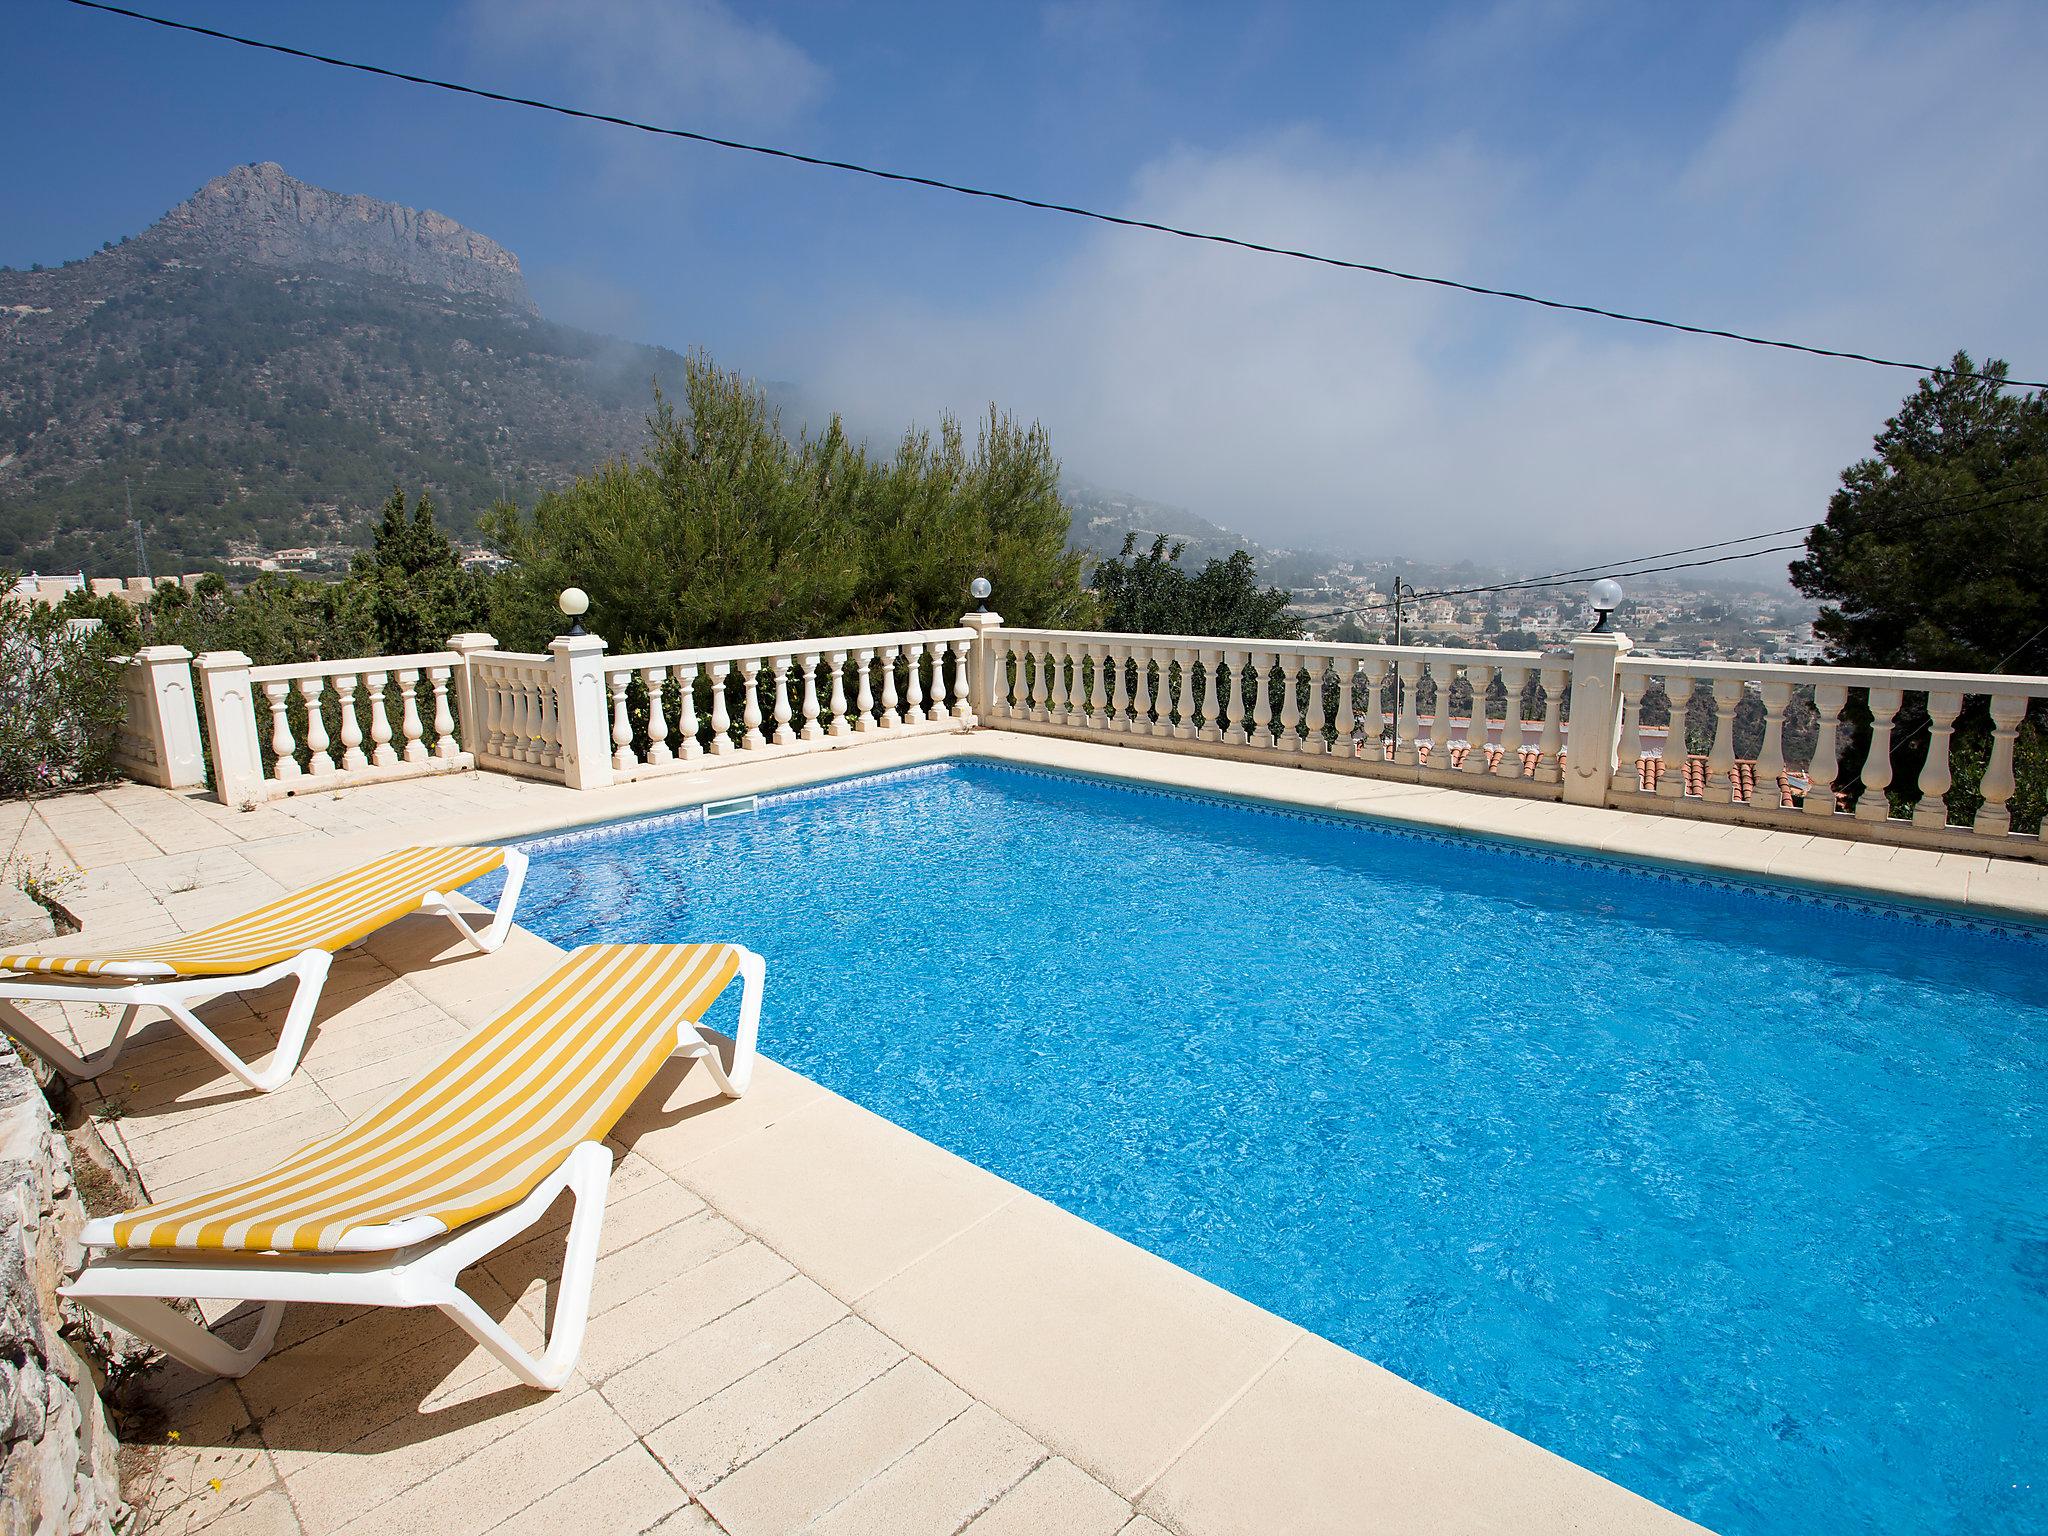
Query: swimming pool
pixel 1731 1192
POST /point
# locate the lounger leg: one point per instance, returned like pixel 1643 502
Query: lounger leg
pixel 44 1044
pixel 732 1079
pixel 182 1339
pixel 501 919
pixel 585 1176
pixel 311 969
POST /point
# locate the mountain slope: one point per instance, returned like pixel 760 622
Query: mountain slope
pixel 261 366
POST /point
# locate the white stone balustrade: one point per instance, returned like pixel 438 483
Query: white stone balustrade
pixel 1296 699
pixel 672 711
pixel 302 712
pixel 1919 758
pixel 1861 722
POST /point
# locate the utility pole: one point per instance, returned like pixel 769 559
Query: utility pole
pixel 1397 610
pixel 141 554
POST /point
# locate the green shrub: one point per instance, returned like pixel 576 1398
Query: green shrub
pixel 60 699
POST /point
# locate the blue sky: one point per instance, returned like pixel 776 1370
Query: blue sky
pixel 1861 176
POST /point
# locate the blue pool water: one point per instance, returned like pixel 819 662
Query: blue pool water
pixel 1731 1193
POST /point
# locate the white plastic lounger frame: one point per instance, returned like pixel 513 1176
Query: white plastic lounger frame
pixel 413 1263
pixel 149 986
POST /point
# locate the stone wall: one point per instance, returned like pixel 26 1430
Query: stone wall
pixel 57 1450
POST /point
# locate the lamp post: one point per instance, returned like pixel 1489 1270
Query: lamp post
pixel 574 603
pixel 1606 597
pixel 981 589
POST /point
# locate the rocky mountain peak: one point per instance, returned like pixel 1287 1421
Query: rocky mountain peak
pixel 260 214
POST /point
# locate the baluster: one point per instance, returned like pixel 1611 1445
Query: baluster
pixel 842 724
pixel 525 718
pixel 415 750
pixel 1512 681
pixel 721 713
pixel 1289 729
pixel 515 704
pixel 351 728
pixel 506 710
pixel 912 702
pixel 531 749
pixel 655 681
pixel 963 694
pixel 623 756
pixel 1141 690
pixel 1441 672
pixel 549 734
pixel 1187 696
pixel 810 730
pixel 1874 804
pixel 1769 792
pixel 784 736
pixel 931 697
pixel 483 733
pixel 1157 662
pixel 1118 659
pixel 381 754
pixel 444 717
pixel 285 762
pixel 864 700
pixel 1994 817
pixel 317 741
pixel 1480 678
pixel 688 728
pixel 1089 685
pixel 1677 759
pixel 1829 700
pixel 1936 775
pixel 1213 723
pixel 1344 723
pixel 1368 727
pixel 1034 697
pixel 890 719
pixel 1550 747
pixel 751 738
pixel 1721 788
pixel 409 730
pixel 1628 756
pixel 1259 669
pixel 1408 711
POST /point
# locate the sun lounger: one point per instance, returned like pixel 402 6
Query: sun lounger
pixel 293 937
pixel 390 1211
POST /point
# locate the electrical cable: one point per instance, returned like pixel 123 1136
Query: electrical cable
pixel 1018 200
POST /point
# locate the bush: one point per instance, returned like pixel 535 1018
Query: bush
pixel 60 700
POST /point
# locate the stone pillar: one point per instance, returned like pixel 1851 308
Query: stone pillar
pixel 1596 717
pixel 172 723
pixel 469 697
pixel 584 718
pixel 981 665
pixel 231 727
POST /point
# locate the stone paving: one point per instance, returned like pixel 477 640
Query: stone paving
pixel 805 1318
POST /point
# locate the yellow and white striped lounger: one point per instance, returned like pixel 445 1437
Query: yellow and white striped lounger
pixel 390 1211
pixel 295 936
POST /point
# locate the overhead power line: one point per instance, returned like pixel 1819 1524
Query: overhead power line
pixel 1618 569
pixel 1018 200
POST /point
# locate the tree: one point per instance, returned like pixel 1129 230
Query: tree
pixel 1934 553
pixel 413 584
pixel 725 531
pixel 1152 594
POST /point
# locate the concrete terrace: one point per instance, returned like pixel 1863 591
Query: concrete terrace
pixel 805 1318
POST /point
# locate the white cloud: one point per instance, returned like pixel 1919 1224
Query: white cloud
pixel 686 62
pixel 1872 181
